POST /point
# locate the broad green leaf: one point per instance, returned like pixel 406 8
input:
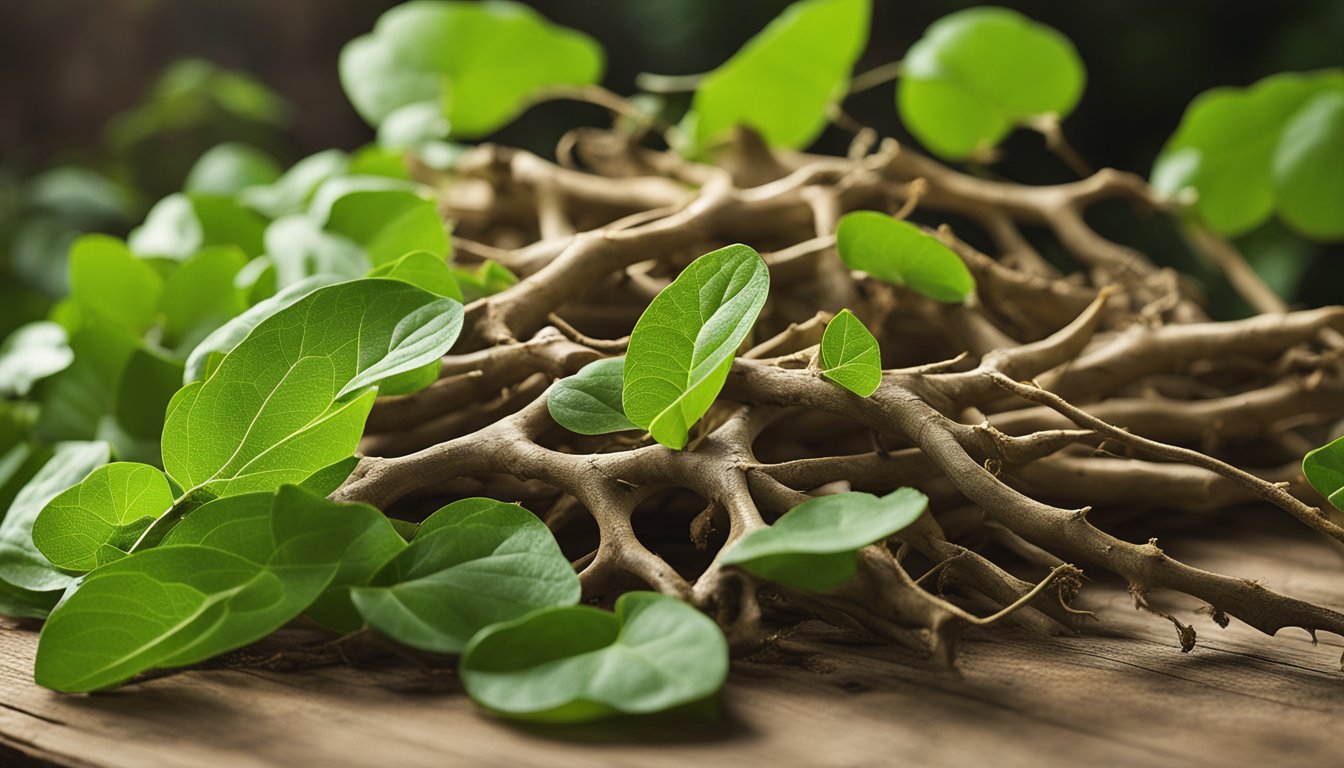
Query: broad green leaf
pixel 180 604
pixel 849 355
pixel 201 295
pixel 227 169
pixel 684 343
pixel 291 192
pixel 479 63
pixel 589 402
pixel 1324 468
pixel 181 224
pixel 107 280
pixel 146 386
pixel 423 270
pixel 31 353
pixel 292 397
pixel 813 546
pixel 979 73
pixel 389 224
pixel 581 663
pixel 783 81
pixel 473 563
pixel 899 253
pixel 224 338
pixel 1309 167
pixel 21 565
pixel 1232 148
pixel 95 521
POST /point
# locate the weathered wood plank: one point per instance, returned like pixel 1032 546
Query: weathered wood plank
pixel 1126 696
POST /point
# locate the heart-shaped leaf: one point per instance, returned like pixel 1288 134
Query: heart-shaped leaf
pixel 850 356
pixel 589 402
pixel 977 74
pixel 176 605
pixel 95 521
pixel 783 81
pixel 899 253
pixel 473 563
pixel 581 663
pixel 813 546
pixel 478 63
pixel 684 343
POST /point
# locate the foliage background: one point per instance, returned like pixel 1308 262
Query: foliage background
pixel 68 67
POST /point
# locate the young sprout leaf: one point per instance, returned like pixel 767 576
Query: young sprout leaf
pixel 30 353
pixel 898 252
pixel 473 563
pixel 589 402
pixel 478 63
pixel 783 81
pixel 95 521
pixel 1324 468
pixel 979 73
pixel 683 345
pixel 180 604
pixel 1248 152
pixel 814 546
pixel 581 663
pixel 292 397
pixel 849 355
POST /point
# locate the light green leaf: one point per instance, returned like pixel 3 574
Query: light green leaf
pixel 423 270
pixel 1324 468
pixel 325 481
pixel 21 565
pixel 176 605
pixel 226 169
pixel 180 225
pixel 1309 167
pixel 589 402
pixel 1231 148
pixel 849 355
pixel 473 563
pixel 480 63
pixel 489 278
pixel 291 192
pixel 31 353
pixel 107 280
pixel 581 663
pixel 95 521
pixel 389 224
pixel 292 397
pixel 813 546
pixel 899 253
pixel 977 74
pixel 684 343
pixel 783 81
pixel 200 295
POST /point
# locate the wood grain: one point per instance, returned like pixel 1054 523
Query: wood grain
pixel 1123 696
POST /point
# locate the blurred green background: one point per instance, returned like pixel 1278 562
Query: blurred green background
pixel 77 89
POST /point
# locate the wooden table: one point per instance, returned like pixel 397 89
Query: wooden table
pixel 1125 696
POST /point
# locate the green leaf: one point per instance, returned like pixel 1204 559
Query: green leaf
pixel 389 223
pixel 977 74
pixel 299 248
pixel 290 193
pixel 479 63
pixel 473 563
pixel 21 565
pixel 1324 468
pixel 489 278
pixel 581 663
pixel 226 169
pixel 899 253
pixel 325 481
pixel 146 386
pixel 1233 149
pixel 31 353
pixel 684 343
pixel 292 397
pixel 107 280
pixel 180 225
pixel 75 401
pixel 200 295
pixel 589 402
pixel 224 338
pixel 423 270
pixel 813 546
pixel 1309 167
pixel 95 521
pixel 180 604
pixel 849 355
pixel 783 81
